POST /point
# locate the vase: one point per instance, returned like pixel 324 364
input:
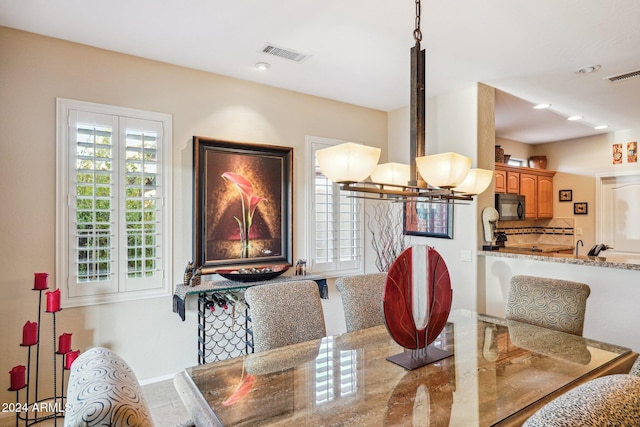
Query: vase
pixel 538 162
pixel 499 154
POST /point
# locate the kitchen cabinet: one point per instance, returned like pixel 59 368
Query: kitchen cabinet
pixel 529 189
pixel 545 196
pixel 500 181
pixel 535 184
pixel 507 182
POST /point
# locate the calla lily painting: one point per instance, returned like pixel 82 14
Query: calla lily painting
pixel 242 204
pixel 249 205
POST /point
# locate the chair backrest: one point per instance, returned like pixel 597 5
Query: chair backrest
pixel 104 391
pixel 285 313
pixel 362 300
pixel 550 303
pixel 612 400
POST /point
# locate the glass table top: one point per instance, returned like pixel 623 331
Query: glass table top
pixel 499 368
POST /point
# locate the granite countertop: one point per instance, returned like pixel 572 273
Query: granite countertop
pixel 620 262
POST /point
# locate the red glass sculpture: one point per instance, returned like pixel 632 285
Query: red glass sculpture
pixel 416 302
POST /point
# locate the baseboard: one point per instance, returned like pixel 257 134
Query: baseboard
pixel 157 379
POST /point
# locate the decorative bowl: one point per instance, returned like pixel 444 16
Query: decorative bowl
pixel 253 274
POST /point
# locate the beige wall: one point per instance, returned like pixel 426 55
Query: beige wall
pixel 34 70
pixel 578 161
pixel 517 150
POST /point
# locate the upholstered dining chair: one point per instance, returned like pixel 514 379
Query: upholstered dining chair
pixel 103 391
pixel 550 303
pixel 612 400
pixel 285 313
pixel 362 300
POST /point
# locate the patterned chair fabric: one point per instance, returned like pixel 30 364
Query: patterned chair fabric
pixel 362 300
pixel 285 313
pixel 635 369
pixel 104 391
pixel 550 303
pixel 612 400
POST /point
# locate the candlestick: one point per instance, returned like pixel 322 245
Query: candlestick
pixel 64 343
pixel 17 377
pixel 40 281
pixel 70 357
pixel 53 301
pixel 30 333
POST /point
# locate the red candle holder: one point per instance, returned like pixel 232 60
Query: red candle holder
pixel 30 334
pixel 17 377
pixel 40 281
pixel 53 301
pixel 70 357
pixel 64 343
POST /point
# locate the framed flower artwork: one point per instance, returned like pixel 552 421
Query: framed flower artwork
pixel 242 210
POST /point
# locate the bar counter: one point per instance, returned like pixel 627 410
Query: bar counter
pixel 619 262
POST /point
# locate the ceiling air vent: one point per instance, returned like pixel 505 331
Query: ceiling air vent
pixel 624 76
pixel 291 55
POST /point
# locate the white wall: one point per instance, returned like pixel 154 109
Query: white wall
pixel 34 70
pixel 452 125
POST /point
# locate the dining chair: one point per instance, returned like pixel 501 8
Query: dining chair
pixel 612 400
pixel 285 313
pixel 362 300
pixel 550 303
pixel 104 391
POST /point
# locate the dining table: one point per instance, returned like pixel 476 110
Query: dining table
pixel 500 372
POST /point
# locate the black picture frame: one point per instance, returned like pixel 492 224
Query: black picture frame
pixel 565 195
pixel 428 219
pixel 580 208
pixel 241 187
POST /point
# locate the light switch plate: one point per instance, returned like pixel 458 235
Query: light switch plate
pixel 465 255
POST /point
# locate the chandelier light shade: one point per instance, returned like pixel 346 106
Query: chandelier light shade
pixel 348 162
pixel 476 182
pixel 396 174
pixel 440 178
pixel 446 170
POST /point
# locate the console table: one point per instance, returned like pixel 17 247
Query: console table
pixel 224 321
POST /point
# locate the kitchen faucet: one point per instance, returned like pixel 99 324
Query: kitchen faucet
pixel 581 244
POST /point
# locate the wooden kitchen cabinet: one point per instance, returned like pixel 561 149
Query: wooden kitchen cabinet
pixel 507 182
pixel 529 189
pixel 500 181
pixel 535 184
pixel 545 196
pixel 513 182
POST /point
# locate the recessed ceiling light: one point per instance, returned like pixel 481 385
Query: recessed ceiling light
pixel 601 127
pixel 588 69
pixel 262 66
pixel 541 106
pixel 572 118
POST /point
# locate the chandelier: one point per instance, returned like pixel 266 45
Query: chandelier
pixel 445 177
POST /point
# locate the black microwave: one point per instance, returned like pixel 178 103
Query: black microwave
pixel 510 207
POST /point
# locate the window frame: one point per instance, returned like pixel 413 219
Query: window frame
pixel 333 269
pixel 120 290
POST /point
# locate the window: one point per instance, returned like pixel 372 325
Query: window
pixel 335 231
pixel 113 185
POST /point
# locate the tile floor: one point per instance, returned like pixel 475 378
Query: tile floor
pixel 163 400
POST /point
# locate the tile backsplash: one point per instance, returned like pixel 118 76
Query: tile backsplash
pixel 555 231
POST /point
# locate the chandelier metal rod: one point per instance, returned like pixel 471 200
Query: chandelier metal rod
pixel 417 105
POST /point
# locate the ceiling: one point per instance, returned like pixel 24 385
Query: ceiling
pixel 529 50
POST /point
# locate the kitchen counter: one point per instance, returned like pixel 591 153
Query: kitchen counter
pixel 619 262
